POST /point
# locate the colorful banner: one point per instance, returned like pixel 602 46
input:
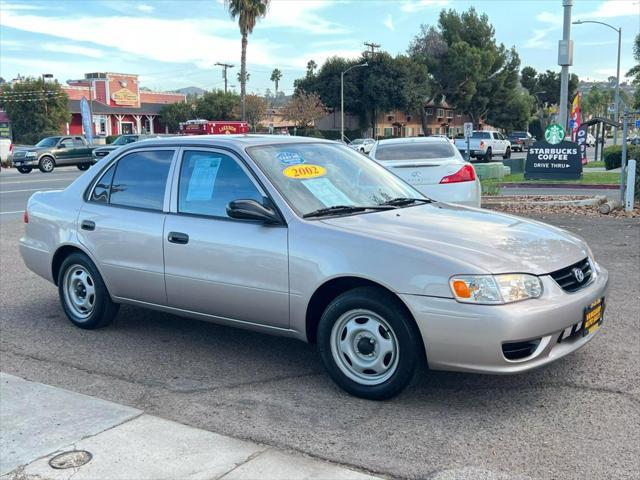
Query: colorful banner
pixel 575 117
pixel 87 123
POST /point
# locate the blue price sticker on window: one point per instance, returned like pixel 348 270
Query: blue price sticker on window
pixel 289 158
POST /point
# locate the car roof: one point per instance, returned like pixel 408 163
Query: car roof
pixel 393 141
pixel 238 141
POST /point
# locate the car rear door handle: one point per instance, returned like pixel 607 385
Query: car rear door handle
pixel 178 237
pixel 88 225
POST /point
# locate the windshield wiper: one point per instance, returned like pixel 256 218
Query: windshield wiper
pixel 399 201
pixel 337 209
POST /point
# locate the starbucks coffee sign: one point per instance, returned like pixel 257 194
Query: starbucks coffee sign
pixel 554 134
pixel 553 161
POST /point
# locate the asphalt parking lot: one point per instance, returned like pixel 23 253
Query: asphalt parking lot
pixel 578 418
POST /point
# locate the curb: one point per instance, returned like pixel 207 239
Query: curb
pixel 601 186
pixel 586 202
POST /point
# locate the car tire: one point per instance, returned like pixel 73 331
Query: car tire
pixel 83 166
pixel 489 155
pixel 46 164
pixel 507 154
pixel 368 343
pixel 83 294
pixel 24 169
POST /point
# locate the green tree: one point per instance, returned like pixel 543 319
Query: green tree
pixel 311 68
pixel 174 113
pixel 218 105
pixel 468 68
pixel 256 108
pixel 36 108
pixel 247 13
pixel 276 76
pixel 635 72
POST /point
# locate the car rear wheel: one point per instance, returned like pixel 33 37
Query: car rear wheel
pixel 46 165
pixel 83 166
pixel 507 154
pixel 83 294
pixel 24 169
pixel 368 343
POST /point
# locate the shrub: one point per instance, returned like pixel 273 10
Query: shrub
pixel 613 155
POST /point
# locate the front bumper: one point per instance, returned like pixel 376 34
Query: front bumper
pixel 25 162
pixel 469 338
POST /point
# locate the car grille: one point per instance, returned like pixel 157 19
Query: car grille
pixel 567 279
pixel 17 155
pixel 519 350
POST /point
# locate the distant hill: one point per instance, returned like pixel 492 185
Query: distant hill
pixel 191 91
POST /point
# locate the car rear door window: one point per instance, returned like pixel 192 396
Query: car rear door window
pixel 209 181
pixel 140 179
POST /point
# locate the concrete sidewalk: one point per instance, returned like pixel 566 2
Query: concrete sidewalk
pixel 38 422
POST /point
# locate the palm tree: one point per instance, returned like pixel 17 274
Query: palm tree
pixel 276 75
pixel 311 68
pixel 247 12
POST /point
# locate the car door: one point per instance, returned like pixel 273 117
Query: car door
pixel 216 265
pixel 82 152
pixel 121 224
pixel 64 151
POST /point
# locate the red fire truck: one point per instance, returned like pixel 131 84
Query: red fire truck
pixel 208 127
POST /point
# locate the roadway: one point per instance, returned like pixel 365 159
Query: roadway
pixel 574 419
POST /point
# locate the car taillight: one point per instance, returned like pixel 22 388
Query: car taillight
pixel 465 174
pixel 25 217
pixel 11 148
pixel 481 144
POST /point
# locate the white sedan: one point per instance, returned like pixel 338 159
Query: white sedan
pixel 363 145
pixel 431 165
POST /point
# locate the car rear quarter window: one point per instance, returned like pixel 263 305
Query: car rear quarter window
pixel 101 190
pixel 140 179
pixel 209 181
pixel 414 151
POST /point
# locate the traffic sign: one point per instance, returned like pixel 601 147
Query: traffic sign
pixel 468 129
pixel 637 123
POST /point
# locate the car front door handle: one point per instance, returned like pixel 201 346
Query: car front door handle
pixel 88 225
pixel 178 237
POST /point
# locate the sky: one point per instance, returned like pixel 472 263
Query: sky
pixel 176 43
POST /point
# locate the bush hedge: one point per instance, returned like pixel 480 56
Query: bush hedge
pixel 613 159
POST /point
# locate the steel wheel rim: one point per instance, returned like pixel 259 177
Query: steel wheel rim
pixel 79 291
pixel 364 347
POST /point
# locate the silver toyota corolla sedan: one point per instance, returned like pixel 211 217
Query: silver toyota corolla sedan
pixel 309 239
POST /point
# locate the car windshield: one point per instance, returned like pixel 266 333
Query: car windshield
pixel 519 134
pixel 313 176
pixel 414 151
pixel 124 140
pixel 480 135
pixel 48 142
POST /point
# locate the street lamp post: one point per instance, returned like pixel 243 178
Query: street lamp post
pixel 617 95
pixel 342 97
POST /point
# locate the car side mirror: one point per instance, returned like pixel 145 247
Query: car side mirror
pixel 246 209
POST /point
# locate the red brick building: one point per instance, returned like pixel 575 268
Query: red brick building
pixel 118 104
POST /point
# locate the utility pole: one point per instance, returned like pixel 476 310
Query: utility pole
pixel 565 59
pixel 372 47
pixel 225 66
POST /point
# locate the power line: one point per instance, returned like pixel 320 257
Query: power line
pixel 225 66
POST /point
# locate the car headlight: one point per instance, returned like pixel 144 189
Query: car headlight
pixel 495 289
pixel 31 154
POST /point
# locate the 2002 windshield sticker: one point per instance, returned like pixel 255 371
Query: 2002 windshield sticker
pixel 304 171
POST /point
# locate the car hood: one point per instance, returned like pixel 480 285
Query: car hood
pixel 488 241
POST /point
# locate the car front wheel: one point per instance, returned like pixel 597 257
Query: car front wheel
pixel 507 154
pixel 488 156
pixel 83 294
pixel 368 343
pixel 46 165
pixel 83 166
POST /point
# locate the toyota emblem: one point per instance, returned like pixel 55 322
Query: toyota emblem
pixel 579 274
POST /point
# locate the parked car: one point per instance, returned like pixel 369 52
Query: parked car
pixel 51 152
pixel 126 139
pixel 433 166
pixel 6 149
pixel 307 239
pixel 591 140
pixel 363 145
pixel 520 140
pixel 485 144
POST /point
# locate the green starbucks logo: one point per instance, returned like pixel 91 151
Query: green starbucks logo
pixel 554 134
